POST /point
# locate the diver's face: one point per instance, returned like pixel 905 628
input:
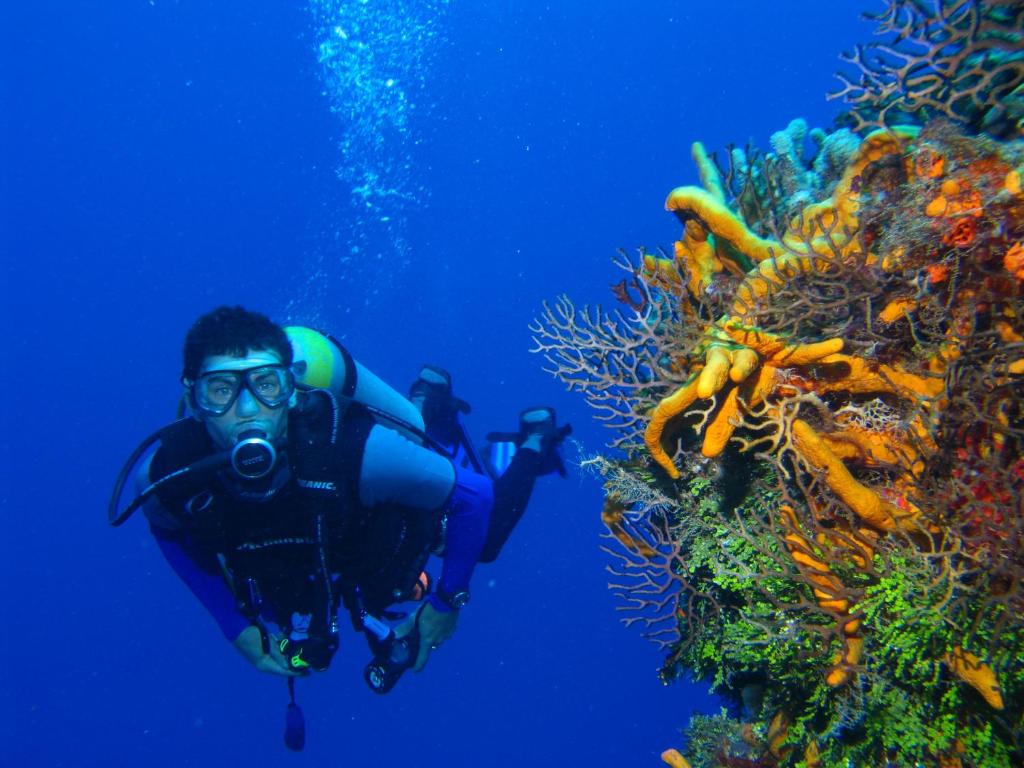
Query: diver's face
pixel 246 413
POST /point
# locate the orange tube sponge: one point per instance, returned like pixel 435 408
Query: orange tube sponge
pixel 976 674
pixel 875 146
pixel 861 499
pixel 774 271
pixel 1012 182
pixel 828 591
pixel 699 256
pixel 673 758
pixel 710 178
pixel 804 354
pixel 661 271
pixel 722 426
pixel 744 361
pixel 862 378
pixel 876 447
pixel 775 349
pixel 725 361
pixel 827 224
pixel 752 393
pixel 689 203
pixel 671 406
pixel 896 309
pixel 716 372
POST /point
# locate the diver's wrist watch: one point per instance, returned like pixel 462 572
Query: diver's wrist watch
pixel 457 600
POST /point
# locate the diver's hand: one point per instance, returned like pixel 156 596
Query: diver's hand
pixel 250 644
pixel 434 627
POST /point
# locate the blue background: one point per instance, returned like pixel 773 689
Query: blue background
pixel 160 158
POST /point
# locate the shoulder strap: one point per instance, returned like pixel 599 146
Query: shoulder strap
pixel 327 440
pixel 348 389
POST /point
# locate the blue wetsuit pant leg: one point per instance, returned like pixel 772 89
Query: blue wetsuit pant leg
pixel 469 513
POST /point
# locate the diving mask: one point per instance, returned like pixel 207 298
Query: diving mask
pixel 214 392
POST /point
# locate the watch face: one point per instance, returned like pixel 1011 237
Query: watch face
pixel 459 599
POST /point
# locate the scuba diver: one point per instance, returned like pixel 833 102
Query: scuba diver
pixel 297 483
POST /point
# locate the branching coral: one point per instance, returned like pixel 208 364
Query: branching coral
pixel 650 563
pixel 619 359
pixel 818 394
pixel 958 59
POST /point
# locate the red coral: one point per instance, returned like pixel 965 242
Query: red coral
pixel 937 273
pixel 962 234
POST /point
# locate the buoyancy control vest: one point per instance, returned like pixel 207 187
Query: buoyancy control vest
pixel 306 544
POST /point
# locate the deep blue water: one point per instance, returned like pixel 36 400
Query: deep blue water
pixel 160 158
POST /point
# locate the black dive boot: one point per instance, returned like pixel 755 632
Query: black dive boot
pixel 538 431
pixel 540 422
pixel 432 394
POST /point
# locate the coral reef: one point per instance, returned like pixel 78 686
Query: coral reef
pixel 816 504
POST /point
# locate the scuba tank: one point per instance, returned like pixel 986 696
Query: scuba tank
pixel 321 362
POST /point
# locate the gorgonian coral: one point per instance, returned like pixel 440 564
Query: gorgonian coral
pixel 958 59
pixel 818 399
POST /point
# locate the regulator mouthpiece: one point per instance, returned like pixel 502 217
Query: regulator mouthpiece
pixel 253 455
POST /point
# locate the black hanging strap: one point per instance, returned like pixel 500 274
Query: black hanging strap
pixel 294 722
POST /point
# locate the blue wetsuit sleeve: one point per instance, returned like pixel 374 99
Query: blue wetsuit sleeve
pixel 201 572
pixel 469 513
pixel 198 568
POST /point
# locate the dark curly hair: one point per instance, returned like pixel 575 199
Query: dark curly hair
pixel 232 331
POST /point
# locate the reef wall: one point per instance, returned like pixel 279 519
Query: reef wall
pixel 815 498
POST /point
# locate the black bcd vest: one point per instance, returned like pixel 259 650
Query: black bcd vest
pixel 311 542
